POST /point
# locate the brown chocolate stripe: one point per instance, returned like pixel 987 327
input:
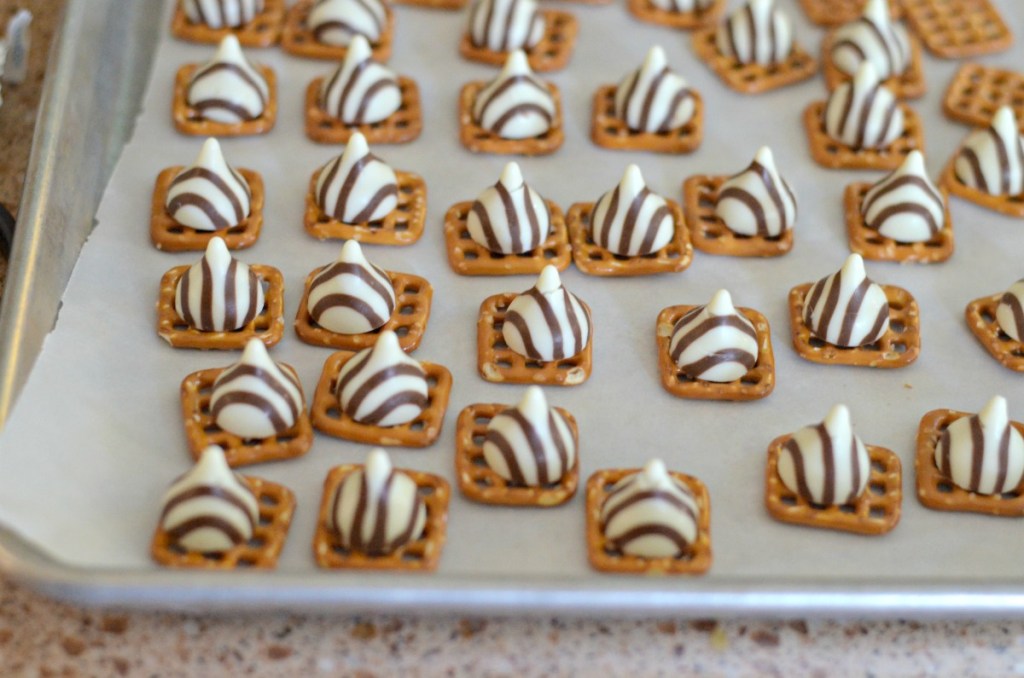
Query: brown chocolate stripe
pixel 696 369
pixel 378 380
pixel 707 325
pixel 274 382
pixel 649 529
pixel 648 495
pixel 1013 302
pixel 198 200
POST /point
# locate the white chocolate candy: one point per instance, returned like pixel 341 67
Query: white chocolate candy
pixel 516 104
pixel 209 195
pixel 1010 311
pixel 546 322
pixel 531 444
pixel 352 295
pixel 650 514
pixel 505 25
pixel 862 113
pixel 218 293
pixel 209 509
pixel 683 6
pixel 509 217
pixel 631 220
pixel 221 13
pixel 228 89
pixel 381 385
pixel 846 308
pixel 714 342
pixel 826 464
pixel 905 205
pixel 992 159
pixel 360 91
pixel 757 201
pixel 874 37
pixel 256 397
pixel 356 187
pixel 338 22
pixel 757 33
pixel 376 509
pixel 653 98
pixel 982 452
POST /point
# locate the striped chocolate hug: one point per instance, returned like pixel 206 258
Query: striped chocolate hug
pixel 381 385
pixel 256 397
pixel 219 293
pixel 531 444
pixel 228 89
pixel 209 195
pixel 360 91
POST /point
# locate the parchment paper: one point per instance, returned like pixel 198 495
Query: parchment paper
pixel 97 436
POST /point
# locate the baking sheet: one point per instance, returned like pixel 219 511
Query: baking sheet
pixel 96 436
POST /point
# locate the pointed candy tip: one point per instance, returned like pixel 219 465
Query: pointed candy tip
pixel 511 176
pixel 548 280
pixel 655 470
pixel 721 303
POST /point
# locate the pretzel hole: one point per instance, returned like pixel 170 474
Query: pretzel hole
pixel 815 342
pixel 898 347
pixel 256 543
pixel 877 488
pixel 944 487
pixel 847 508
pixel 897 326
pixel 788 499
pixel 751 378
pixel 504 364
pixel 876 512
pixel 479 461
pixel 425 490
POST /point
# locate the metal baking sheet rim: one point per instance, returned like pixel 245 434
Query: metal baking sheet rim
pixel 192 591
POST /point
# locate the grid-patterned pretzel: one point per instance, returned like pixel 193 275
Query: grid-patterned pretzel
pixel 981 319
pixel 898 347
pixel 297 37
pixel 1011 205
pixel 276 507
pixel 479 482
pixel 907 85
pixel 498 363
pixel 936 491
pixel 421 555
pixel 953 29
pixel 710 234
pixel 401 226
pixel 645 10
pixel 409 320
pixel 201 429
pixel 610 131
pixel 753 78
pixel 400 127
pixel 267 326
pixel 758 382
pixel 876 511
pixel 263 31
pixel 477 139
pixel 871 244
pixel 593 259
pixel 327 416
pixel 833 154
pixel 468 257
pixel 976 92
pixel 837 12
pixel 552 53
pixel 604 557
pixel 188 120
pixel 170 236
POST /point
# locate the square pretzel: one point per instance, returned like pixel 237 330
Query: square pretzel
pixel 327 416
pixel 409 320
pixel 753 78
pixel 468 257
pixel 871 244
pixel 263 31
pixel 710 234
pixel 1010 205
pixel 276 508
pixel 297 37
pixel 610 131
pixel 498 363
pixel 757 383
pixel 478 140
pixel 836 12
pixel 479 482
pixel 402 226
pixel 952 29
pixel 170 236
pixel 552 53
pixel 645 10
pixel 188 120
pixel 898 347
pixel 981 319
pixel 907 85
pixel 402 126
pixel 201 429
pixel 604 557
pixel 976 92
pixel 833 154
pixel 876 511
pixel 593 259
pixel 421 555
pixel 938 492
pixel 267 326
